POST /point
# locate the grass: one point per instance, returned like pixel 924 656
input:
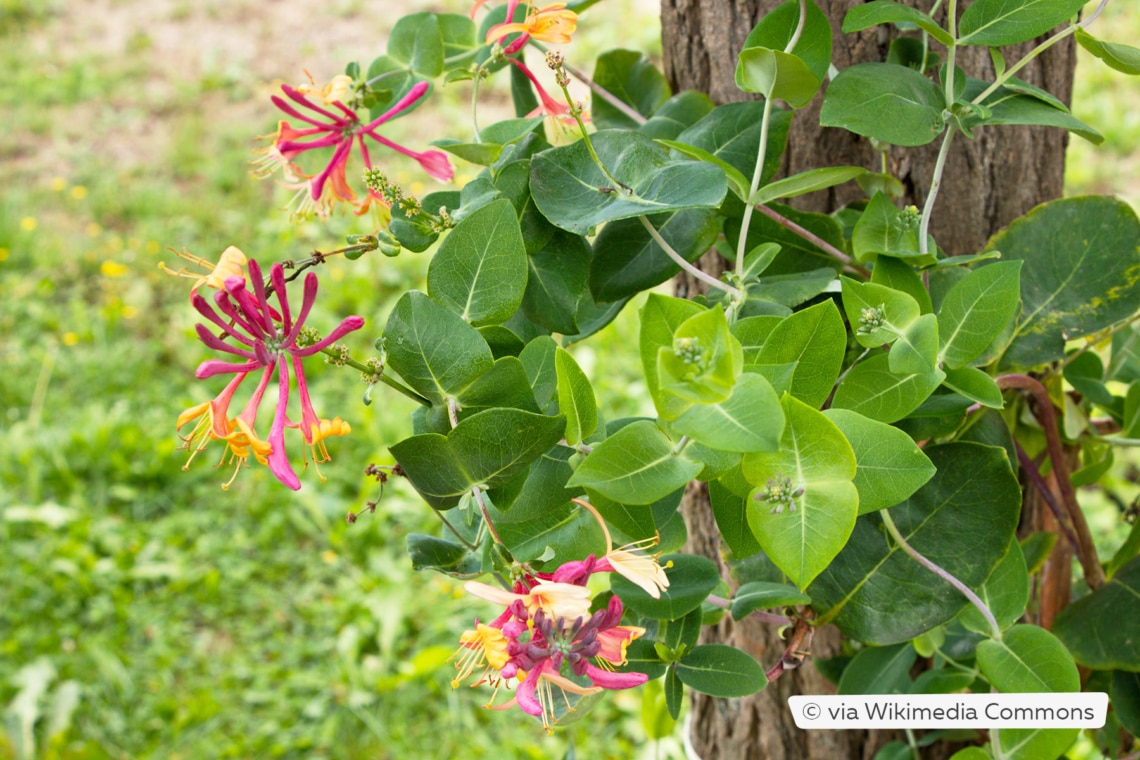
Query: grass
pixel 144 612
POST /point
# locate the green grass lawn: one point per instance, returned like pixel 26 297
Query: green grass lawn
pixel 145 612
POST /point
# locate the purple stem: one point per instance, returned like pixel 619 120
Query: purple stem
pixel 1034 475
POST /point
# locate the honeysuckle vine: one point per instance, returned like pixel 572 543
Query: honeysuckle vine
pixel 850 400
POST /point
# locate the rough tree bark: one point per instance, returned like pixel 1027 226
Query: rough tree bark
pixel 989 181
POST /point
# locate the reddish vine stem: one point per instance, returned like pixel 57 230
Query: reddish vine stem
pixel 811 237
pixel 1094 574
pixel 1032 473
pixel 798 649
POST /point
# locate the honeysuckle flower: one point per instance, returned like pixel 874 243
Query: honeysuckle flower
pixel 627 561
pixel 336 126
pixel 539 650
pixel 560 125
pixel 558 599
pixel 551 23
pixel 230 264
pixel 266 338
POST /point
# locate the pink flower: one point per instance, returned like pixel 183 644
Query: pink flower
pixel 266 338
pixel 336 127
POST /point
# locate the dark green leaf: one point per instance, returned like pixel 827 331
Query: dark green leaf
pixel 731 132
pixel 635 81
pixel 974 385
pixel 674 693
pixel 730 511
pixel 765 596
pixel 776 28
pixel 448 557
pixel 897 274
pixel 776 75
pixel 627 260
pixel 556 282
pixel 486 449
pixel 432 349
pixel 890 103
pixel 894 309
pixel 480 269
pixel 1005 106
pixel 883 228
pixel 807 182
pixel 1102 630
pixel 1008 22
pixel 963 520
pixel 1123 58
pixel 721 671
pixel 887 12
pixel 575 398
pixel 916 349
pixel 416 42
pixel 879 670
pixel 1082 273
pixel 1126 700
pixel 677 114
pixel 1005 592
pixel 574 194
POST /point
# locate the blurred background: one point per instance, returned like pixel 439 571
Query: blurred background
pixel 145 612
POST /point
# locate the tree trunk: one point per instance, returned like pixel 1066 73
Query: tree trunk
pixel 989 181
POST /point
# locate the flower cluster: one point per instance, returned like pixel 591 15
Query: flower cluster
pixel 547 639
pixel 333 124
pixel 266 338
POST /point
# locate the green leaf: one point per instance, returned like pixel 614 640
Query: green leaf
pixel 635 465
pixel 703 360
pixel 447 557
pixel 974 385
pixel 1005 592
pixel 556 282
pixel 776 28
pixel 505 384
pixel 432 349
pixel 1035 743
pixel 1082 273
pixel 721 671
pixel 691 579
pixel 871 389
pixel 976 310
pixel 814 339
pixel 731 132
pixel 963 520
pixel 1036 548
pixel 759 595
pixel 751 419
pixel 660 318
pixel 1129 549
pixel 674 693
pixel 883 228
pixel 677 114
pixel 972 753
pixel 458 34
pixel 416 42
pixel 891 103
pixel 731 514
pixel 776 75
pixel 1006 106
pixel 1126 700
pixel 542 519
pixel 898 275
pixel 538 360
pixel 627 260
pixel 486 449
pixel 879 670
pixel 806 182
pixel 480 269
pixel 815 467
pixel 1101 628
pixel 1008 22
pixel 1123 58
pixel 889 466
pixel 887 12
pixel 737 182
pixel 785 290
pixel 632 77
pixel 1028 659
pixel 916 349
pixel 896 310
pixel 575 398
pixel 574 194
